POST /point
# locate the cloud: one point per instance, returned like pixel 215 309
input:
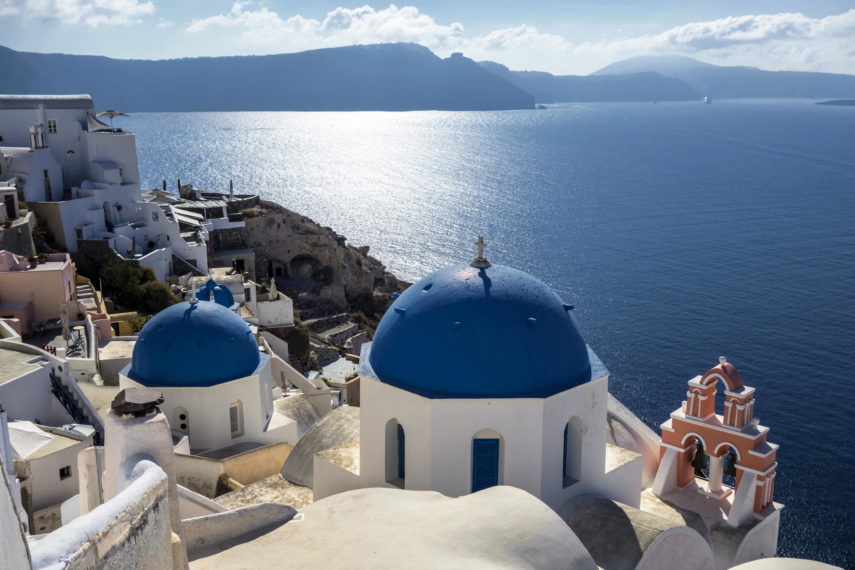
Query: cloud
pixel 772 41
pixel 92 13
pixel 520 37
pixel 262 28
pixel 8 8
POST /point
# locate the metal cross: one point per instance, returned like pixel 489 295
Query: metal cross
pixel 480 261
pixel 481 244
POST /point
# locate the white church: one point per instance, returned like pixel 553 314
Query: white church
pixel 478 376
pixel 217 385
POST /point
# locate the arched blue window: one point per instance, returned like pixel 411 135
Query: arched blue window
pixel 402 453
pixel 396 453
pixel 485 463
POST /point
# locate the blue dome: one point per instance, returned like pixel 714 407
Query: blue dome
pixel 194 344
pixel 213 291
pixel 463 332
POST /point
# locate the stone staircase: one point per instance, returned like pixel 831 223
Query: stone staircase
pixel 86 297
pixel 331 328
pixel 320 324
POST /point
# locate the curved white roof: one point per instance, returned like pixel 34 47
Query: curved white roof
pixel 49 101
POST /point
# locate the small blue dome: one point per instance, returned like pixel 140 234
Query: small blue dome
pixel 213 291
pixel 194 344
pixel 464 332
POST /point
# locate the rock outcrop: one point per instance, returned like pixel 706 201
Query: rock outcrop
pixel 314 261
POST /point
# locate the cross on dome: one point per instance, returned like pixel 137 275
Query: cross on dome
pixel 192 292
pixel 480 261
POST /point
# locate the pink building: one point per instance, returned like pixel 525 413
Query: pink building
pixel 33 293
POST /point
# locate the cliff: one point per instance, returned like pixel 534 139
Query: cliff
pixel 549 88
pixel 382 77
pixel 736 81
pixel 314 262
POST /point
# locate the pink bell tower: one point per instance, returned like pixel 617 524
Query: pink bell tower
pixel 695 427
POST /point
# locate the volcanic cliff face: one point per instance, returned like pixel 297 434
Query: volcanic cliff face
pixel 309 260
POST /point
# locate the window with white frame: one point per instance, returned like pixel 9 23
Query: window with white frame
pixel 51 126
pixel 236 418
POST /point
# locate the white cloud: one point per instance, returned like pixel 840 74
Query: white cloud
pixel 92 13
pixel 259 27
pixel 520 37
pixel 8 8
pixel 772 41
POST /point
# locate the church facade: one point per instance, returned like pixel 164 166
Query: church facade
pixel 478 376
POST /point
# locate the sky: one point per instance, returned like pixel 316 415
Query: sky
pixel 562 37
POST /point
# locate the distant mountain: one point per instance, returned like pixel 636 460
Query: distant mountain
pixel 737 82
pixel 548 88
pixel 388 77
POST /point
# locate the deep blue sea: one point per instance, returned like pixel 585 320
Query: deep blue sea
pixel 680 231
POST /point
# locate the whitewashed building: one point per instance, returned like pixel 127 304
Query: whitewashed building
pixel 216 383
pixel 478 376
pixel 82 177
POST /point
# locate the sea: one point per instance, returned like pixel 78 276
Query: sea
pixel 680 231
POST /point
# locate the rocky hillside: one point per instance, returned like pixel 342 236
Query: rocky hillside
pixel 312 261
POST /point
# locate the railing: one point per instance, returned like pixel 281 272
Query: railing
pixel 74 408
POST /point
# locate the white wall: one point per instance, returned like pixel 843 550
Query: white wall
pixel 47 487
pixel 29 166
pixel 29 397
pixel 101 538
pixel 208 409
pixel 13 554
pixel 589 403
pixel 439 434
pixel 119 148
pixel 15 125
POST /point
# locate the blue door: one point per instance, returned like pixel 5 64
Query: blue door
pixel 485 463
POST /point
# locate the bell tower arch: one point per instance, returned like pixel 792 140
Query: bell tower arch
pixel 733 440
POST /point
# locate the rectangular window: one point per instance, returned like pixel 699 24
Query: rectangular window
pixel 51 126
pixel 121 174
pixel 65 472
pixel 235 420
pixel 485 463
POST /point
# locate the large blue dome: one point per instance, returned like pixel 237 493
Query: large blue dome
pixel 465 332
pixel 194 344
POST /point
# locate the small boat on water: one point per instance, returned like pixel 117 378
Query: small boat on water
pixel 707 100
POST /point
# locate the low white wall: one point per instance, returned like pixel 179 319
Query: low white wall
pixel 203 533
pixel 330 479
pixel 761 541
pixel 13 554
pixel 678 547
pixel 192 504
pixel 623 483
pixel 158 261
pixel 131 527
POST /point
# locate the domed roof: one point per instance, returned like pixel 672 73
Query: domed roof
pixel 474 332
pixel 213 291
pixel 194 344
